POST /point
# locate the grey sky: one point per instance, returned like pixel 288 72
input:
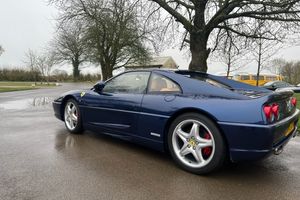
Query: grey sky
pixel 30 24
pixel 24 24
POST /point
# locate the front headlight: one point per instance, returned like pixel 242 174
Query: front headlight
pixel 59 99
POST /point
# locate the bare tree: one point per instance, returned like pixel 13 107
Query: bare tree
pixel 1 50
pixel 69 46
pixel 39 64
pixel 232 51
pixel 287 71
pixel 263 52
pixel 203 18
pixel 232 58
pixel 275 66
pixel 31 61
pixel 296 66
pixel 113 33
pixel 264 49
pixel 291 72
pixel 44 64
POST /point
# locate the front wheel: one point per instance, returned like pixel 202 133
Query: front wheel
pixel 196 144
pixel 72 117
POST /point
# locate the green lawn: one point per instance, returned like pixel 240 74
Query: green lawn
pixel 6 86
pixel 3 89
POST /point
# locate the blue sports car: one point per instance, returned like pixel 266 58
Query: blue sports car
pixel 201 119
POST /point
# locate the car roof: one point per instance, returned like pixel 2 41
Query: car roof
pixel 167 70
pixel 151 69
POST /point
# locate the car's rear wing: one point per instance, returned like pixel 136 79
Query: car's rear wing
pixel 279 96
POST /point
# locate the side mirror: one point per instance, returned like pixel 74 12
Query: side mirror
pixel 99 86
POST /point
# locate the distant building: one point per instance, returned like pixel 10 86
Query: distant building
pixel 155 62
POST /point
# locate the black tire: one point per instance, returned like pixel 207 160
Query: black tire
pixel 217 158
pixel 78 127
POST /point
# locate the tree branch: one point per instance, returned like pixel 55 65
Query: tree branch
pixel 180 18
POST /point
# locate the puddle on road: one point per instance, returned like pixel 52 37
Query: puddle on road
pixel 26 103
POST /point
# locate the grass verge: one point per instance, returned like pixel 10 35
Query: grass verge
pixel 297 95
pixel 19 86
pixel 2 89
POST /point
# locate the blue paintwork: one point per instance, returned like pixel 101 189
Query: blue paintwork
pixel 136 117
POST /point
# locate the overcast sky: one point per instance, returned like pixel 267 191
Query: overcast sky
pixel 30 24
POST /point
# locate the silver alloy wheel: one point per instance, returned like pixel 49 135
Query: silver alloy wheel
pixel 189 144
pixel 71 116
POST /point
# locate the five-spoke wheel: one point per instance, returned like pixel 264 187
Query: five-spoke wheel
pixel 72 117
pixel 196 143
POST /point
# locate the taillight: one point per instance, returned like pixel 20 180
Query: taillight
pixel 268 112
pixel 271 112
pixel 275 110
pixel 294 101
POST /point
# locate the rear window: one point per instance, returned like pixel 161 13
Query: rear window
pixel 208 80
pixel 269 84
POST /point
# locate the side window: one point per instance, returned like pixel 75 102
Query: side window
pixel 161 84
pixel 277 84
pixel 245 77
pixel 131 82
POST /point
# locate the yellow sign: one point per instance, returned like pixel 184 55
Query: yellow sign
pixel 290 129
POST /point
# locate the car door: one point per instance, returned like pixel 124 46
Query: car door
pixel 157 104
pixel 115 109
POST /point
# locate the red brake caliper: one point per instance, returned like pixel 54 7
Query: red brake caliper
pixel 207 150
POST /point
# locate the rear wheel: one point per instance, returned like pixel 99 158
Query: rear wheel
pixel 196 144
pixel 72 117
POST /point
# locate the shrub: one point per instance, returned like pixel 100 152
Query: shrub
pixel 17 74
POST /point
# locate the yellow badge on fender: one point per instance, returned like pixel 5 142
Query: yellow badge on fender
pixel 82 94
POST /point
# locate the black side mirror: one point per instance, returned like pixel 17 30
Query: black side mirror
pixel 99 86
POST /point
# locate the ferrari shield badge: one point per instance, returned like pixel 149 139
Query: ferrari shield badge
pixel 82 94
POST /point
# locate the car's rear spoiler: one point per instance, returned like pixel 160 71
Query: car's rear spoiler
pixel 279 96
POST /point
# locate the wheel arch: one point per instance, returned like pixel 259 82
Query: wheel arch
pixel 192 110
pixel 63 103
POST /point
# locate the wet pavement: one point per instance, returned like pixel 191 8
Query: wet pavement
pixel 39 159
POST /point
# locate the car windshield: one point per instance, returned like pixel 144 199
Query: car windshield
pixel 269 83
pixel 279 84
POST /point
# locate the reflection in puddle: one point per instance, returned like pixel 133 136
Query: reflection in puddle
pixel 65 141
pixel 26 103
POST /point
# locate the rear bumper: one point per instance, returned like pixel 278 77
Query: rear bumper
pixel 57 110
pixel 253 142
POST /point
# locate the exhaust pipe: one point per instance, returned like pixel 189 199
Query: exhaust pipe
pixel 278 150
pixel 297 132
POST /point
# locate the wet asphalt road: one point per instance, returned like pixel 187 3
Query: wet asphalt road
pixel 39 159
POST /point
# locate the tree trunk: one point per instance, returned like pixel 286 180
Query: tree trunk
pixel 259 61
pixel 199 51
pixel 229 60
pixel 76 71
pixel 106 71
pixel 258 73
pixel 228 70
